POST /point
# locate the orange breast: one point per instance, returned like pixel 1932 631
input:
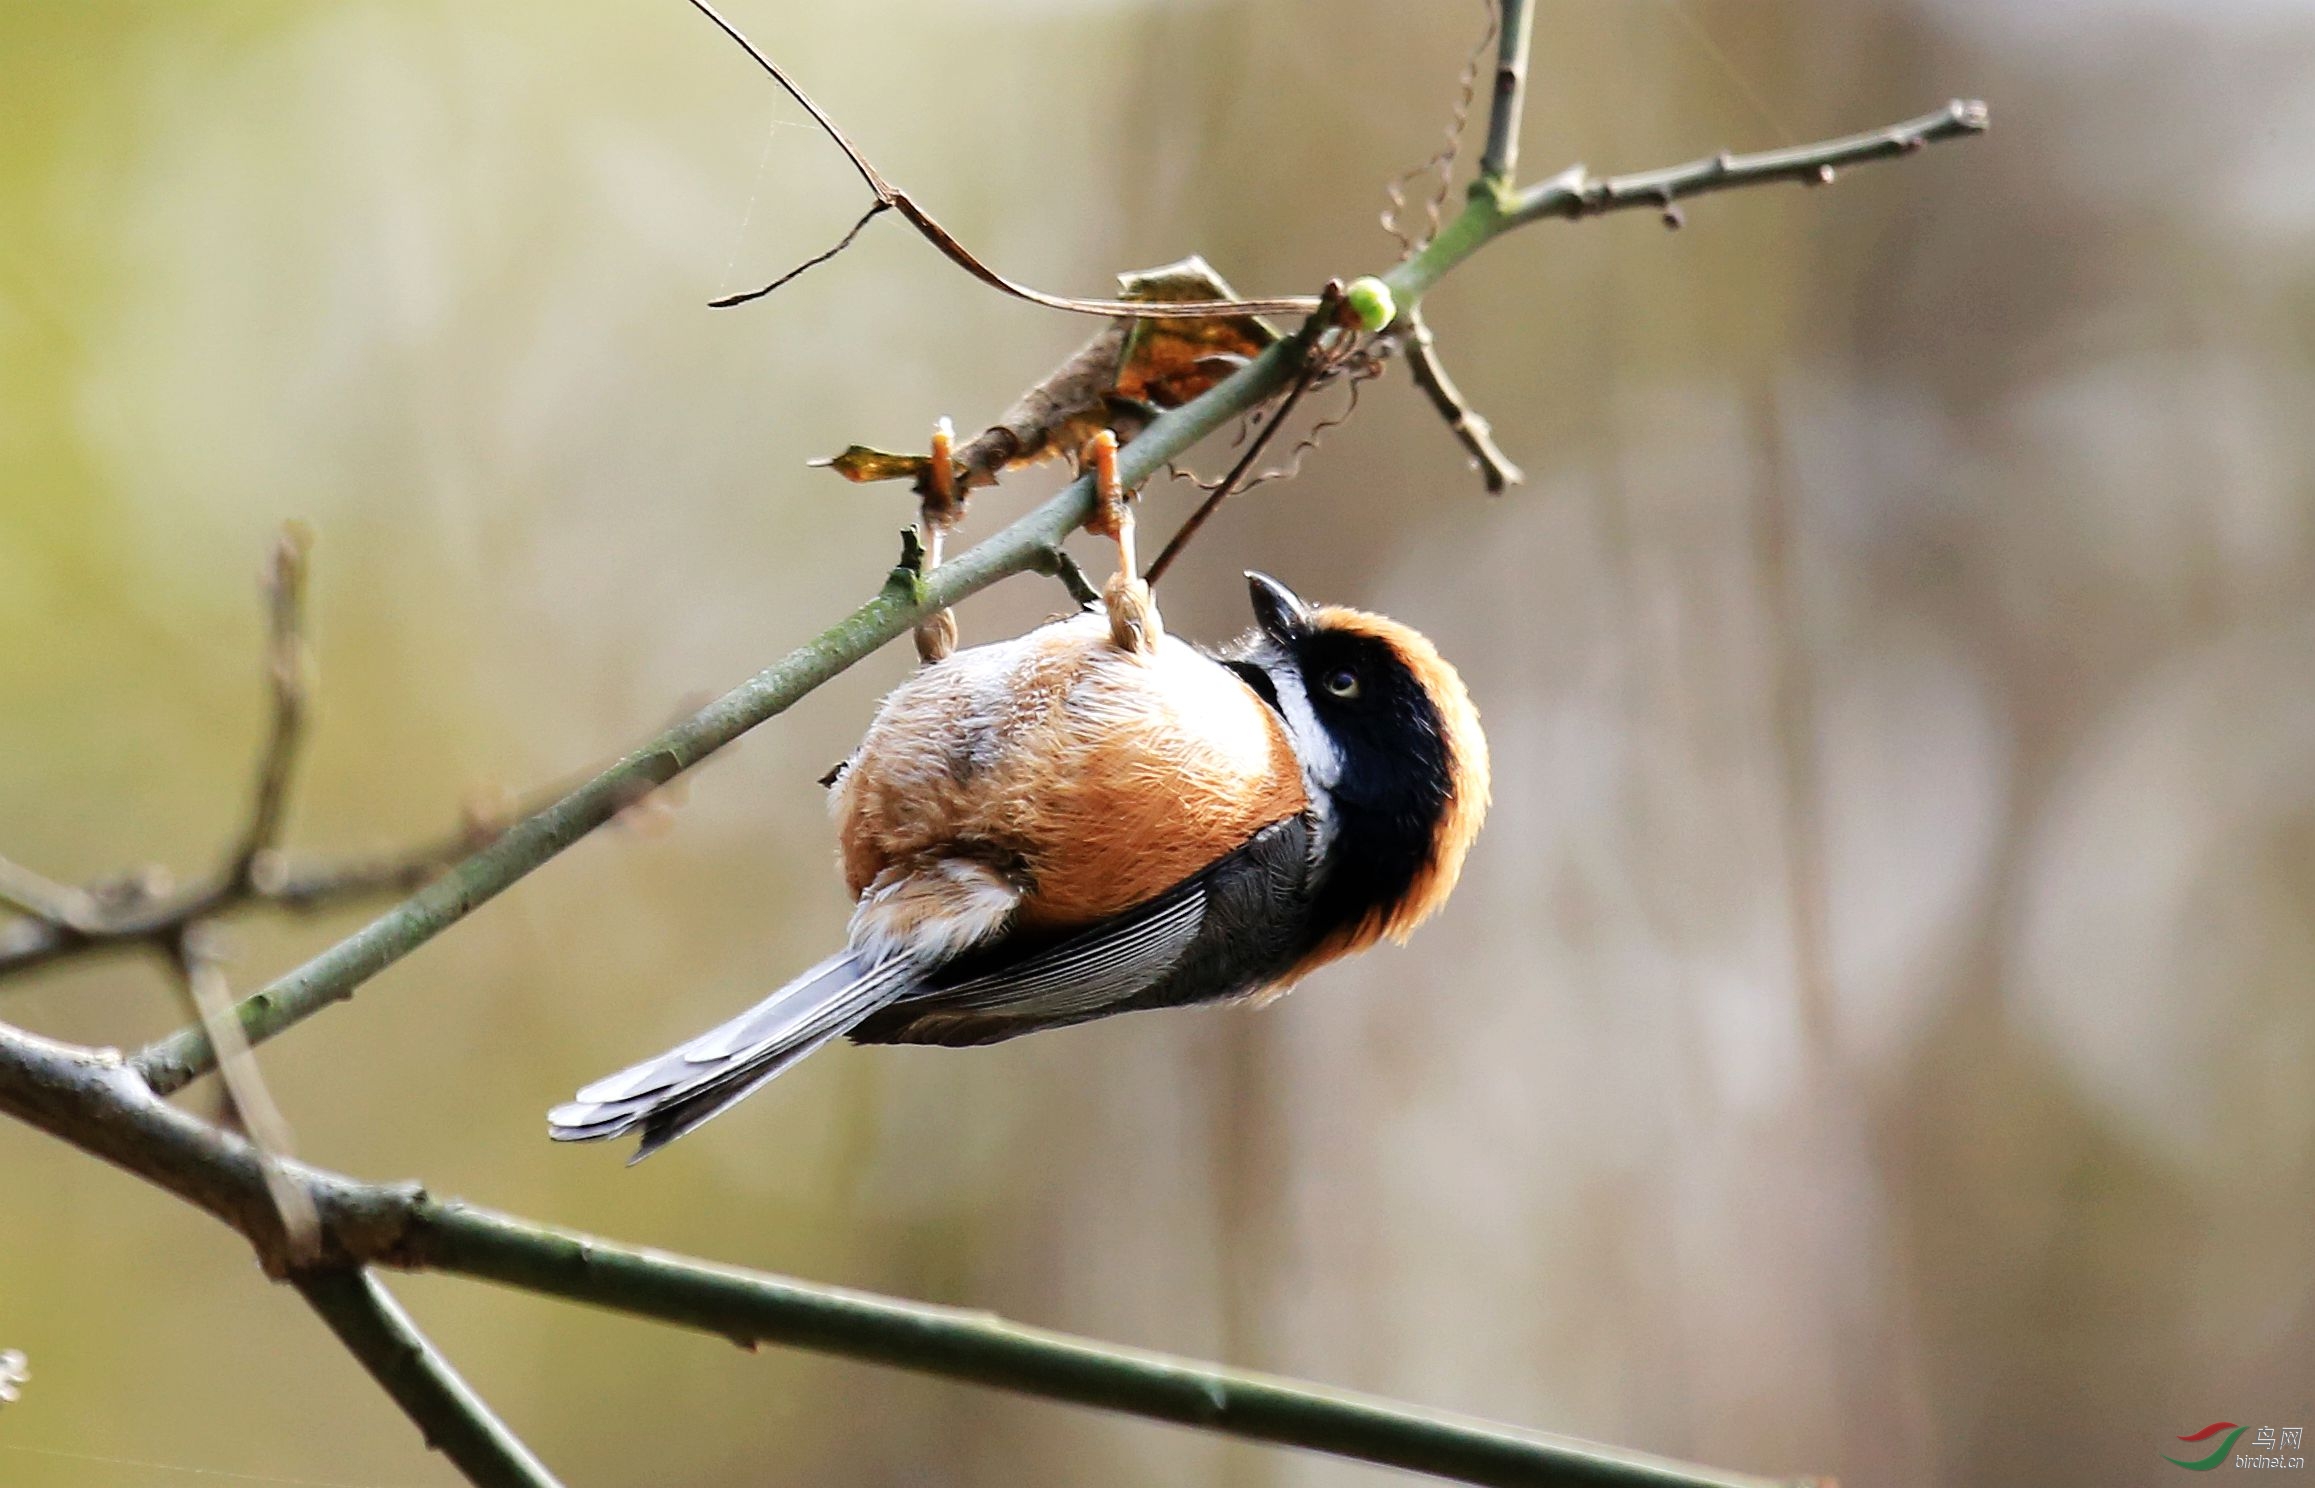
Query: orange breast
pixel 1100 777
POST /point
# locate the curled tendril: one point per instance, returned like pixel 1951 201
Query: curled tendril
pixel 1442 164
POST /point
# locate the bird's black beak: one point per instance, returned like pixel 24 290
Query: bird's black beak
pixel 1277 609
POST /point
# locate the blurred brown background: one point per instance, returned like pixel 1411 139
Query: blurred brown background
pixel 1874 1034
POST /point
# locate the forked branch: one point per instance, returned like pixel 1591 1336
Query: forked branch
pixel 140 910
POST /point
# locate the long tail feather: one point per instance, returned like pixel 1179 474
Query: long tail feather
pixel 677 1091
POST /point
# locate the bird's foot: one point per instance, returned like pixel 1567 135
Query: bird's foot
pixel 936 634
pixel 1133 614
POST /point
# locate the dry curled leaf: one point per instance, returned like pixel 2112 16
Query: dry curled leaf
pixel 860 462
pixel 1131 370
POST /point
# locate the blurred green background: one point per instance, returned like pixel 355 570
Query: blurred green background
pixel 1874 1035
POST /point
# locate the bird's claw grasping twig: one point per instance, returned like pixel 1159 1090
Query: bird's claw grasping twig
pixel 1134 624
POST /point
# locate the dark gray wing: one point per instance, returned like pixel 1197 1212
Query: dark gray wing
pixel 1224 933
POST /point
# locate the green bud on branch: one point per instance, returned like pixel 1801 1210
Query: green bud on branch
pixel 1371 300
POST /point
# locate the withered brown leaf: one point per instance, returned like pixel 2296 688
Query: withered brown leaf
pixel 1132 369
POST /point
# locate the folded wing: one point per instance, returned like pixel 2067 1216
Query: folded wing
pixel 1212 936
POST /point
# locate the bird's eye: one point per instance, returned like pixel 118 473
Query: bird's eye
pixel 1342 682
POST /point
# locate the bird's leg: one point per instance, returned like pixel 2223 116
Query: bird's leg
pixel 936 634
pixel 1133 615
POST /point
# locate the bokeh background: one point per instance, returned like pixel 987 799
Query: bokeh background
pixel 1875 1033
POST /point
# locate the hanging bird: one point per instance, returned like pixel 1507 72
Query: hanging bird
pixel 1094 818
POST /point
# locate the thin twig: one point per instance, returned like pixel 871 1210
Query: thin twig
pixel 1227 486
pixel 1312 363
pixel 286 671
pixel 89 1100
pixel 1357 368
pixel 889 195
pixel 1467 423
pixel 194 952
pixel 1356 362
pixel 454 1420
pixel 306 888
pixel 284 883
pixel 1573 194
pixel 44 901
pixel 1499 163
pixel 817 259
pixel 156 922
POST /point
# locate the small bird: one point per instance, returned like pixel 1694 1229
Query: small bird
pixel 1094 818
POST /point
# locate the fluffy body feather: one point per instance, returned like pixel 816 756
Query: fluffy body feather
pixel 1098 776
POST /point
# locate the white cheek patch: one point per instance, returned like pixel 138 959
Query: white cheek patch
pixel 1321 760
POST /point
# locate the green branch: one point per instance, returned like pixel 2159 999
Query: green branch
pixel 88 1099
pixel 983 1349
pixel 1499 158
pixel 454 1420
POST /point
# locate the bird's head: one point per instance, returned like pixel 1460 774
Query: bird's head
pixel 1391 752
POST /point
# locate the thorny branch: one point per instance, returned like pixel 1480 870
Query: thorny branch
pixel 115 1110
